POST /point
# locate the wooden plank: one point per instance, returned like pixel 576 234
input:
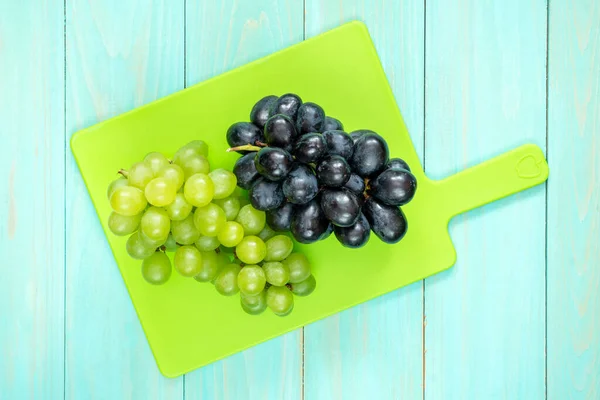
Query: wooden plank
pixel 374 350
pixel 32 199
pixel 485 94
pixel 219 37
pixel 119 55
pixel 574 200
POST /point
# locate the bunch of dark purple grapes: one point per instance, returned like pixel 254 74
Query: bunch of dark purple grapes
pixel 312 178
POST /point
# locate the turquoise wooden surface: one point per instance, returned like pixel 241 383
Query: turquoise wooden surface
pixel 574 201
pixel 32 200
pixel 485 93
pixel 516 318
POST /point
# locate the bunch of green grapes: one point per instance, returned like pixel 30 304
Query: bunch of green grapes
pixel 180 206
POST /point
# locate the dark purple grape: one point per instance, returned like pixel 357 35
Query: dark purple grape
pixel 333 171
pixel 265 194
pixel 273 163
pixel 242 133
pixel 245 171
pixel 300 186
pixel 288 104
pixel 310 148
pixel 355 184
pixel 394 187
pixel 333 124
pixel 340 206
pixel 359 133
pixel 309 223
pixel 387 222
pixel 354 236
pixel 371 154
pixel 327 233
pixel 339 143
pixel 311 118
pixel 397 163
pixel 260 112
pixel 280 132
pixel 280 218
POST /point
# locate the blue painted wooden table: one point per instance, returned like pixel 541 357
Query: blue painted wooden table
pixel 518 317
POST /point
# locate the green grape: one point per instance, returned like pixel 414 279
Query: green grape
pixel 179 209
pixel 254 305
pixel 137 247
pixel 231 206
pixel 280 300
pixel 156 269
pixel 185 232
pixel 172 173
pixel 251 219
pixel 155 224
pixel 299 267
pixel 207 243
pixel 195 164
pixel 160 192
pixel 225 182
pixel 199 190
pixel 277 273
pixel 267 233
pixel 170 244
pixel 305 287
pixel 114 185
pixel 150 242
pixel 226 281
pixel 199 146
pixel 139 175
pixel 209 219
pixel 196 147
pixel 156 161
pixel 188 261
pixel 278 248
pixel 122 225
pixel 251 280
pixel 231 234
pixel 251 250
pixel 211 266
pixel 128 201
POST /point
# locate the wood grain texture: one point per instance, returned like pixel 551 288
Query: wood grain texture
pixel 374 350
pixel 574 200
pixel 119 55
pixel 485 94
pixel 31 199
pixel 221 36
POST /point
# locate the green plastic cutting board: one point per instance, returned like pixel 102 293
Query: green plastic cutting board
pixel 188 324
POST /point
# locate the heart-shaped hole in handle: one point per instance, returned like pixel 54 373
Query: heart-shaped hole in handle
pixel 528 167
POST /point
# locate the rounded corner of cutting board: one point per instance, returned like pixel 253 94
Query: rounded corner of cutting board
pixel 74 141
pixel 359 25
pixel 167 372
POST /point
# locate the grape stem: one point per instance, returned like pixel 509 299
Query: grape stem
pixel 261 144
pixel 246 147
pixel 124 173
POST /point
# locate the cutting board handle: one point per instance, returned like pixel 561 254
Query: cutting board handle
pixel 502 176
